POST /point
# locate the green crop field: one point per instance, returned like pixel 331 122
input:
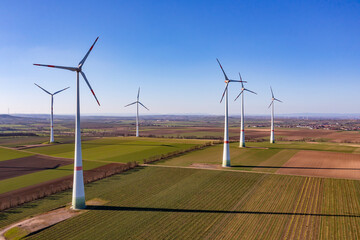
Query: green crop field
pixel 7 154
pixel 175 203
pixel 119 149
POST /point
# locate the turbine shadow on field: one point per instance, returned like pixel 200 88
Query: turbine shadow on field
pixel 171 210
pixel 310 168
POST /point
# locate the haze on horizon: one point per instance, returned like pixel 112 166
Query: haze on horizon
pixel 308 51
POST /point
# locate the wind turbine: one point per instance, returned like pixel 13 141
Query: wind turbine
pixel 272 137
pixel 78 197
pixel 226 151
pixel 52 116
pixel 137 111
pixel 242 131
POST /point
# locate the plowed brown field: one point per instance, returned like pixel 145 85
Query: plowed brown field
pixel 323 164
pixel 21 166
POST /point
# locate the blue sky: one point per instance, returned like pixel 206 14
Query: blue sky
pixel 309 51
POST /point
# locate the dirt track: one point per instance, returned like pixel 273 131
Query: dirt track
pixel 323 164
pixel 21 166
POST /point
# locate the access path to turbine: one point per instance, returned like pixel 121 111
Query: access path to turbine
pixel 137 111
pixel 242 129
pixel 52 110
pixel 226 151
pixel 78 197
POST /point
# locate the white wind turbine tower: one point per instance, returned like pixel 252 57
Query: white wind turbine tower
pixel 272 137
pixel 78 197
pixel 226 151
pixel 242 130
pixel 137 111
pixel 52 108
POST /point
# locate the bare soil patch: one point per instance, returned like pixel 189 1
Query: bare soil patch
pixel 21 166
pixel 323 164
pixel 206 166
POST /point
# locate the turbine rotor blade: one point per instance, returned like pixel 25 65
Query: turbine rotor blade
pixel 226 78
pixel 138 94
pixel 227 84
pixel 237 81
pixel 87 54
pixel 239 95
pixel 130 104
pixel 60 91
pixel 277 100
pixel 53 66
pixel 43 89
pixel 272 93
pixel 242 84
pixel 87 82
pixel 250 91
pixel 143 106
pixel 272 102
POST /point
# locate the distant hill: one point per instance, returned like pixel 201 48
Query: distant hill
pixel 10 119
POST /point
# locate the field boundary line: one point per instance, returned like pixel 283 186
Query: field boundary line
pixel 212 169
pixel 244 171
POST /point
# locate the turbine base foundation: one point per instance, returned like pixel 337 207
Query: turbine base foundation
pixel 78 203
pixel 226 164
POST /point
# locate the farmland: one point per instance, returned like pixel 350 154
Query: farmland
pixel 269 192
pixel 96 153
pixel 34 129
pixel 7 154
pixel 119 149
pixel 260 157
pixel 207 204
pixel 30 179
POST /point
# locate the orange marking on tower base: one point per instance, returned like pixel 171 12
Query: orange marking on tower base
pixel 78 168
pixel 226 141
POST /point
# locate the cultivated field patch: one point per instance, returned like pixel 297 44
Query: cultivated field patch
pixel 7 154
pixel 254 158
pixel 119 149
pixel 21 166
pixel 175 203
pixel 30 179
pixel 323 164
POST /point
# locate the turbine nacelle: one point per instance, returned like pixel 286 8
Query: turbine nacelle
pixel 77 69
pixel 273 98
pixel 227 80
